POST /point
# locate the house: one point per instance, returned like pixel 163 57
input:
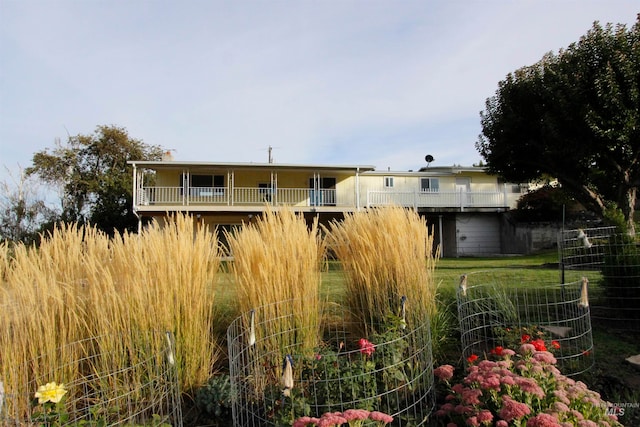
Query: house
pixel 462 204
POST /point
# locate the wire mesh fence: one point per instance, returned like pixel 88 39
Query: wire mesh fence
pixel 100 381
pixel 495 313
pixel 389 370
pixel 612 262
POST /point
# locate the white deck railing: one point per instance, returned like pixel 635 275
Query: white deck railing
pixel 437 199
pixel 304 197
pixel 238 196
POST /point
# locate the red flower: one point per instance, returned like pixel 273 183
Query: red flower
pixel 472 358
pixel 555 344
pixel 497 351
pixel 366 347
pixel 525 338
pixel 539 345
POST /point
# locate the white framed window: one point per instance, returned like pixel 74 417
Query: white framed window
pixel 388 182
pixel 431 185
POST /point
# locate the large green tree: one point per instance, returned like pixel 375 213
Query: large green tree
pixel 574 115
pixel 93 176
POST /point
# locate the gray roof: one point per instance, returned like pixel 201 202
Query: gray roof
pixel 177 164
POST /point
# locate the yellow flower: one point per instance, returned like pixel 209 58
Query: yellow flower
pixel 50 392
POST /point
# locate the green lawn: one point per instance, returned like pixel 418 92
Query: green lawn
pixel 616 379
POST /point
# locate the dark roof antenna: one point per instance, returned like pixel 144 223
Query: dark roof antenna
pixel 428 158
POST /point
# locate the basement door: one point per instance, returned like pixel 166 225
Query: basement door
pixel 477 234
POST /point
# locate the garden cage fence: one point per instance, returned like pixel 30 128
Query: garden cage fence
pixel 498 313
pixel 276 379
pixel 115 379
pixel 611 260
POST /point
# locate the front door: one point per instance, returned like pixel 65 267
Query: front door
pixel 463 186
pixel 322 191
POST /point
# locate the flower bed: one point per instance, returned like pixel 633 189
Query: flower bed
pixel 492 316
pixel 519 389
pixel 388 371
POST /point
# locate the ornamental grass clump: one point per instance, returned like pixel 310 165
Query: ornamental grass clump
pixel 165 278
pixel 386 254
pixel 518 389
pixel 84 301
pixel 278 259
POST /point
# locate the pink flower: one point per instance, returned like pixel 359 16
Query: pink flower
pixel 502 423
pixel 444 372
pixel 512 410
pixel 508 352
pixel 543 420
pixel 527 349
pixel 485 417
pixel 507 380
pixel 561 395
pixel 472 421
pixel 529 385
pixel 577 414
pixel 331 419
pixel 304 421
pixel 471 396
pixel 487 365
pixel 560 407
pixel 492 382
pixel 380 417
pixel 366 347
pixel 355 414
pixel 544 357
pixel 462 409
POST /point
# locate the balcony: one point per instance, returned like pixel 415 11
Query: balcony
pixel 237 197
pixel 251 198
pixel 459 200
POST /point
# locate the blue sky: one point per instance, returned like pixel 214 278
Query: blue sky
pixel 368 82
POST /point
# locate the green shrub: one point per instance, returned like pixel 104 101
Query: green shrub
pixel 621 274
pixel 214 398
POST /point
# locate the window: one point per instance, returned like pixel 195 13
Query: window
pixel 205 180
pixel 204 185
pixel 431 185
pixel 388 182
pixel 202 180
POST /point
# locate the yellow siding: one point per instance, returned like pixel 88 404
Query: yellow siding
pixel 167 179
pixel 293 180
